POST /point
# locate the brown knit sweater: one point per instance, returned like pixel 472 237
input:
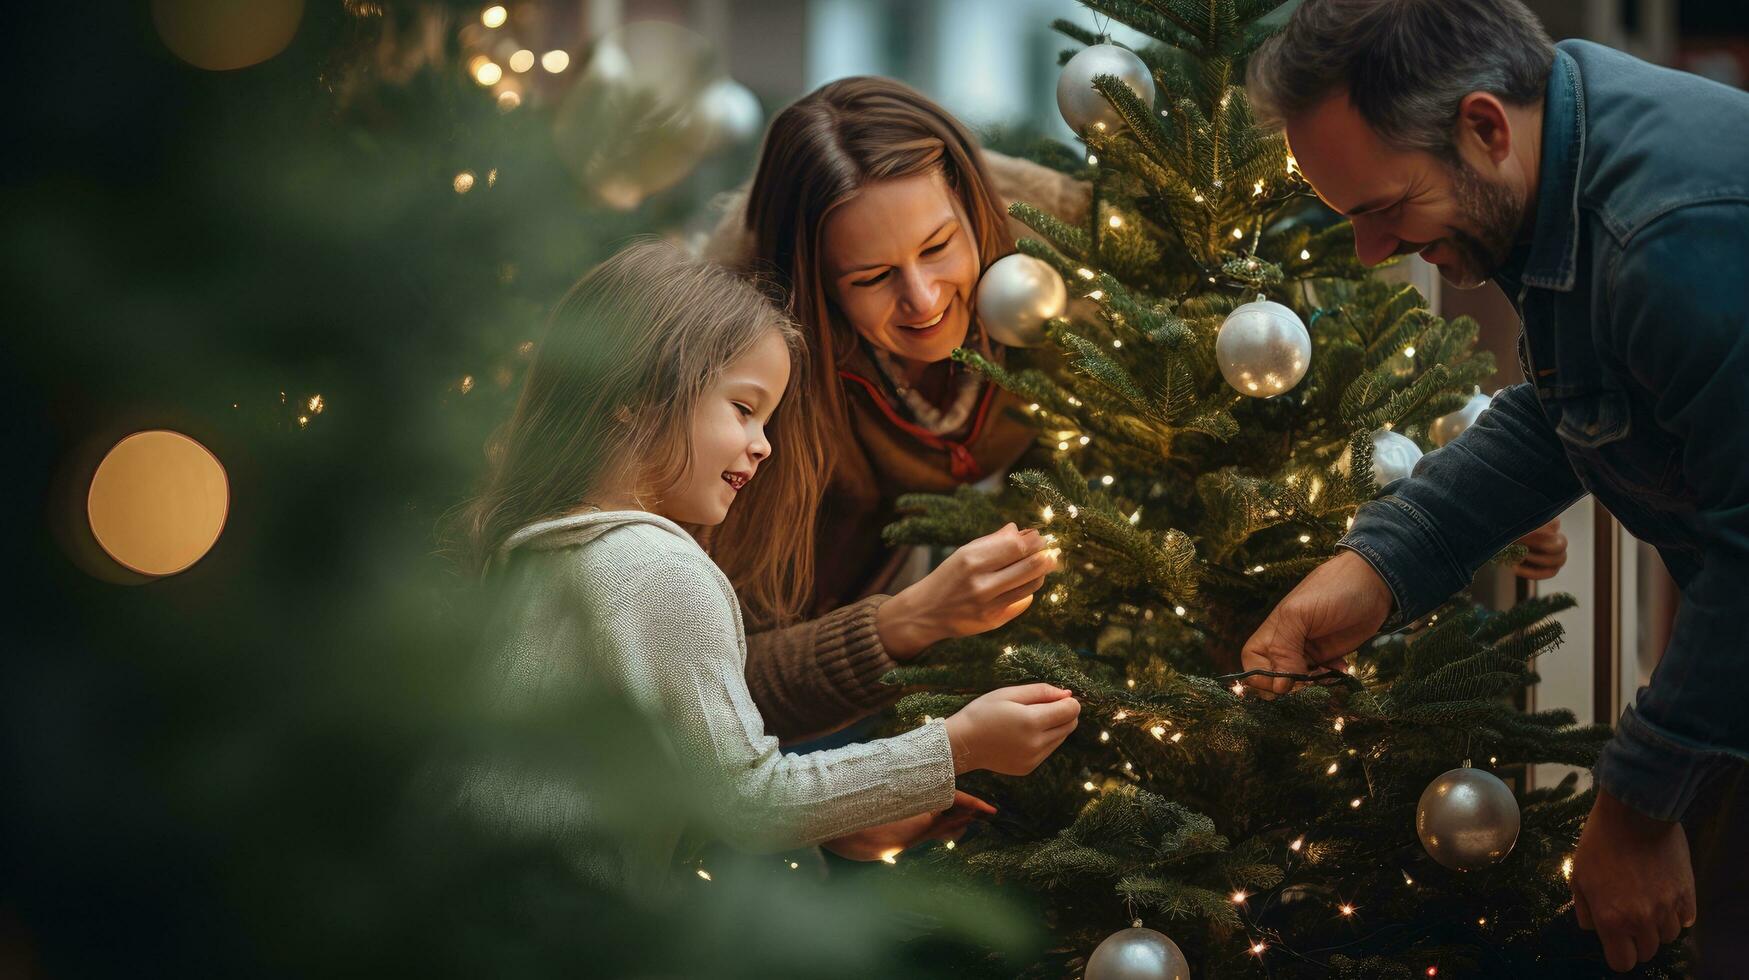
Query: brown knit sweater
pixel 822 674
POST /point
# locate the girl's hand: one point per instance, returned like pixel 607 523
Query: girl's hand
pixel 984 584
pixel 889 839
pixel 1013 729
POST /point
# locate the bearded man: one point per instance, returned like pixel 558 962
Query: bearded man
pixel 1609 199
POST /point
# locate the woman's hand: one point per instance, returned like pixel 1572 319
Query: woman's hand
pixel 889 839
pixel 1548 552
pixel 985 583
pixel 1013 729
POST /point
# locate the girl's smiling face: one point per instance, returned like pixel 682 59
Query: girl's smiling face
pixel 901 265
pixel 728 439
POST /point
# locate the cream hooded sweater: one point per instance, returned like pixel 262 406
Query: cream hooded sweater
pixel 627 602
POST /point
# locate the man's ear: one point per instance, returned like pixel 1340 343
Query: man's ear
pixel 1483 126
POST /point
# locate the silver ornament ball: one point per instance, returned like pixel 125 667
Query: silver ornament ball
pixel 1467 819
pixel 1394 456
pixel 1263 349
pixel 1137 954
pixel 730 112
pixel 1083 108
pixel 1447 427
pixel 1017 295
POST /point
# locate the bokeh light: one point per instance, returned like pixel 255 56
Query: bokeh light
pixel 522 61
pixel 158 502
pixel 555 61
pixel 222 35
pixel 488 73
pixel 494 16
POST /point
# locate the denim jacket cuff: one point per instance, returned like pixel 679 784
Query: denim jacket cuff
pixel 1413 561
pixel 1651 771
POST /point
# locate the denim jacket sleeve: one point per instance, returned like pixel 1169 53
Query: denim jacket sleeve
pixel 1680 318
pixel 1503 477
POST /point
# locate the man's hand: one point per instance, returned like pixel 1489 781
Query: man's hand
pixel 1333 610
pixel 888 839
pixel 1632 882
pixel 1548 552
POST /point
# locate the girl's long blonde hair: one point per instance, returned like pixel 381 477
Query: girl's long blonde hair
pixel 611 394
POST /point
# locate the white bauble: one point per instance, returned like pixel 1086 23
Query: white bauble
pixel 1394 456
pixel 631 126
pixel 1467 819
pixel 1082 106
pixel 1137 954
pixel 731 113
pixel 1016 296
pixel 1446 428
pixel 1263 349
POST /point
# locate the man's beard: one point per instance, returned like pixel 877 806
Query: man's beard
pixel 1491 209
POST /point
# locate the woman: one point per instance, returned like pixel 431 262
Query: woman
pixel 877 212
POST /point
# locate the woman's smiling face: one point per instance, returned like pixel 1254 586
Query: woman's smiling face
pixel 901 266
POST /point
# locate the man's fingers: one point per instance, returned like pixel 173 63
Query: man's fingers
pixel 1618 950
pixel 1645 941
pixel 1670 927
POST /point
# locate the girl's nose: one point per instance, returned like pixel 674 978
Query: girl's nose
pixel 760 447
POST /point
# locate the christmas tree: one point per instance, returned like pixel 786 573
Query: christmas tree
pixel 1230 387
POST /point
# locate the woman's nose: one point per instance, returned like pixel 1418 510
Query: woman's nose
pixel 760 447
pixel 920 292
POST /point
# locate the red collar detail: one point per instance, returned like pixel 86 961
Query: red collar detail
pixel 959 458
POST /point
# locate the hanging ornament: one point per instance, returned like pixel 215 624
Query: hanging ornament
pixel 630 126
pixel 1263 348
pixel 1394 456
pixel 1446 428
pixel 730 112
pixel 1016 296
pixel 1467 819
pixel 1137 954
pixel 1083 108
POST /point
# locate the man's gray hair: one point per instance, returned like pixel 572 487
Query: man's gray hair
pixel 1405 64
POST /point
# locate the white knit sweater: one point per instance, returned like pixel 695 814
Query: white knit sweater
pixel 628 602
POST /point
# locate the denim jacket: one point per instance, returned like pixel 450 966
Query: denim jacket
pixel 1634 296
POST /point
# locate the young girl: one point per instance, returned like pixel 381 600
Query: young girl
pixel 654 401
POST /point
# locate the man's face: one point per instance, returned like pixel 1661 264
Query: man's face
pixel 1461 216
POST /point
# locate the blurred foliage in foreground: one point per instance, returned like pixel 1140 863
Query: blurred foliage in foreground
pixel 219 773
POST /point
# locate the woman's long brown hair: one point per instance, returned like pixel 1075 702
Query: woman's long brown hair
pixel 817 154
pixel 610 397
